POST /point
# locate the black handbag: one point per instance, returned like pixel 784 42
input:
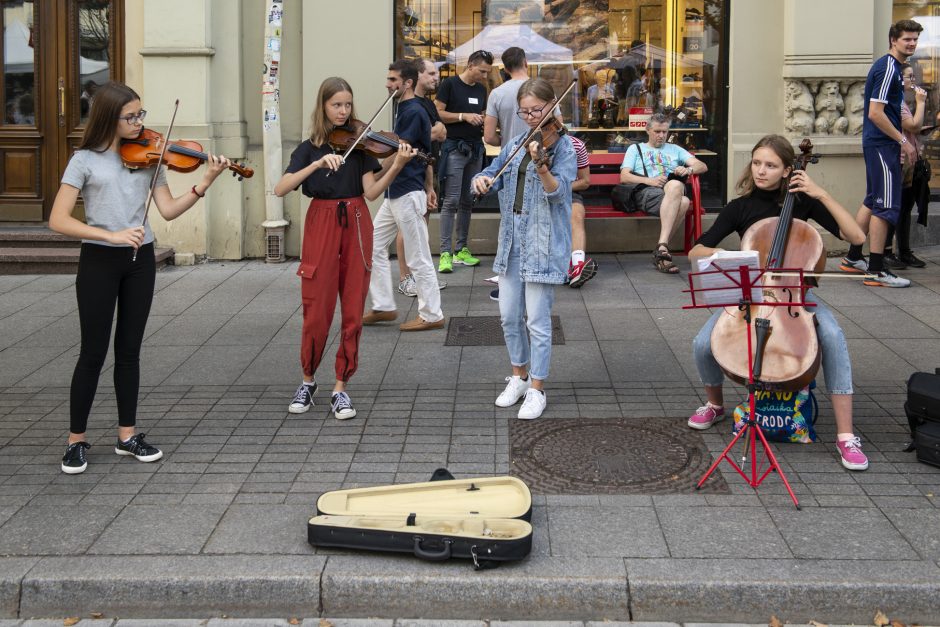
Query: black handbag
pixel 923 416
pixel 623 195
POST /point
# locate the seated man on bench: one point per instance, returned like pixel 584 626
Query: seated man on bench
pixel 660 169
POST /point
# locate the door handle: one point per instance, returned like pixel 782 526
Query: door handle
pixel 61 101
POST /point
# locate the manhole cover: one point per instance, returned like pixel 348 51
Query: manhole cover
pixel 487 331
pixel 615 456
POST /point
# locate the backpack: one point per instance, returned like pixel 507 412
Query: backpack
pixel 783 416
pixel 923 416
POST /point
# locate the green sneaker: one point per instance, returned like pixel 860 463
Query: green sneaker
pixel 446 264
pixel 465 258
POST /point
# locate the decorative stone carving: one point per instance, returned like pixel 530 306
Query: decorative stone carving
pixel 855 107
pixel 823 107
pixel 799 114
pixel 829 107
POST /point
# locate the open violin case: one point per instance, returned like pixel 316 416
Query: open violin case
pixel 484 519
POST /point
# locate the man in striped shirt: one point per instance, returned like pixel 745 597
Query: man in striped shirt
pixel 581 269
pixel 884 146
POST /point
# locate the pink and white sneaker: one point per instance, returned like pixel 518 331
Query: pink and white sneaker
pixel 705 416
pixel 850 452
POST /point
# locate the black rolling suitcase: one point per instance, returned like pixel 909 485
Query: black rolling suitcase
pixel 923 416
pixel 484 520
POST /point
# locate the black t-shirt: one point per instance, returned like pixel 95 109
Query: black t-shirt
pixel 344 183
pixel 413 125
pixel 462 98
pixel 428 105
pixel 741 213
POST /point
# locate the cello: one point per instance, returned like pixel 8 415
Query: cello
pixel 791 355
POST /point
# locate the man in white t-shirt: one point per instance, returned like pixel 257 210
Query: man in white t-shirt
pixel 501 122
pixel 661 169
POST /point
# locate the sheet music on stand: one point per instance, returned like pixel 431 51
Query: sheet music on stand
pixel 717 287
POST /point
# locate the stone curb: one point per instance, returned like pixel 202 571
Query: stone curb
pixel 540 588
pixel 170 587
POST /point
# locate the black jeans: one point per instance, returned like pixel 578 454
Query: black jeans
pixel 107 277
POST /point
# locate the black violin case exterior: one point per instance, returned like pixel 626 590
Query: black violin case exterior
pixel 923 415
pixel 485 519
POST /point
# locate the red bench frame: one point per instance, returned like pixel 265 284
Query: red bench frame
pixel 693 219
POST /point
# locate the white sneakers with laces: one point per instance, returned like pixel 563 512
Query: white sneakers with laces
pixel 516 387
pixel 533 405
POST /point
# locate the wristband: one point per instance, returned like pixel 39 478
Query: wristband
pixel 460 117
pixel 903 140
pixel 197 193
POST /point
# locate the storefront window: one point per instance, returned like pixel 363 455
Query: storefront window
pixel 631 58
pixel 926 64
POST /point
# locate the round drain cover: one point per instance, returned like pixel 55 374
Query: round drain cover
pixel 616 456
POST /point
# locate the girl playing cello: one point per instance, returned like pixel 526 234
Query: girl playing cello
pixel 336 258
pixel 762 187
pixel 108 275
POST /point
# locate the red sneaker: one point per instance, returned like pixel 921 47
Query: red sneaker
pixel 581 273
pixel 705 416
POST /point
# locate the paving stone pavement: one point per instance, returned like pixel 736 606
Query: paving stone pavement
pixel 218 526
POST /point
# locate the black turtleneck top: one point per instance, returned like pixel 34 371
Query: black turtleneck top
pixel 739 214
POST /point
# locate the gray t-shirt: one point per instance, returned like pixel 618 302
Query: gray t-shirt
pixel 114 195
pixel 502 105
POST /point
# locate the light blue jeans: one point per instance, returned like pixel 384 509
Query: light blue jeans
pixel 516 299
pixel 835 351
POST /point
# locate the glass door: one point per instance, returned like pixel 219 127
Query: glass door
pixel 55 52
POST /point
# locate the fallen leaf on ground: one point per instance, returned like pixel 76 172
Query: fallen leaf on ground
pixel 881 620
pixel 816 623
pixel 325 623
pixel 897 623
pixel 775 622
pixel 71 620
pixel 96 614
pixel 293 621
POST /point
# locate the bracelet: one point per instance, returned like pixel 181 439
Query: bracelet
pixel 460 117
pixel 903 140
pixel 197 193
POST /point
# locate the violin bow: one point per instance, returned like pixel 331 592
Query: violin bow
pixel 366 129
pixel 528 139
pixel 156 170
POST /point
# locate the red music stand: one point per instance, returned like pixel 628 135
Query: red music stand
pixel 741 280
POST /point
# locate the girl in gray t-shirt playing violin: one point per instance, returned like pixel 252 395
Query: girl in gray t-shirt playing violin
pixel 108 275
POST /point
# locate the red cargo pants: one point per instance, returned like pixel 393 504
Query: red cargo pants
pixel 335 259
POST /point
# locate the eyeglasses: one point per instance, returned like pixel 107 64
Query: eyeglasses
pixel 134 118
pixel 531 113
pixel 480 55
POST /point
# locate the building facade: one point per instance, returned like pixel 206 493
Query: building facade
pixel 736 69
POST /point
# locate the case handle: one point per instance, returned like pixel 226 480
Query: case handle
pixel 439 556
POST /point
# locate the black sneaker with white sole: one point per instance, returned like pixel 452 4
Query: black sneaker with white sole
pixel 74 462
pixel 135 446
pixel 342 406
pixel 303 398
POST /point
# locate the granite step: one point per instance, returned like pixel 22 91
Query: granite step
pixel 43 259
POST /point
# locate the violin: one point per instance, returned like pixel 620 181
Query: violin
pixel 791 355
pixel 379 144
pixel 546 136
pixel 181 155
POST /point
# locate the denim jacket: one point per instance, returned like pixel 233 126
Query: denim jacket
pixel 545 237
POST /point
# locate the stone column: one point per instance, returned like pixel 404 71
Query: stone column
pixel 816 93
pixel 192 51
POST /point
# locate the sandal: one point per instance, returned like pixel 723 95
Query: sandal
pixel 662 259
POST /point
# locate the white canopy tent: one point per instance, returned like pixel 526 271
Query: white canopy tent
pixel 495 38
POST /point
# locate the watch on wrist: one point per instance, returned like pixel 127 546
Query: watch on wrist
pixel 903 140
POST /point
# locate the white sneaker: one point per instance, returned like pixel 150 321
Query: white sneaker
pixel 515 389
pixel 885 278
pixel 533 405
pixel 407 286
pixel 855 266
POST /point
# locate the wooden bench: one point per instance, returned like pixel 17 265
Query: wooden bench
pixel 605 173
